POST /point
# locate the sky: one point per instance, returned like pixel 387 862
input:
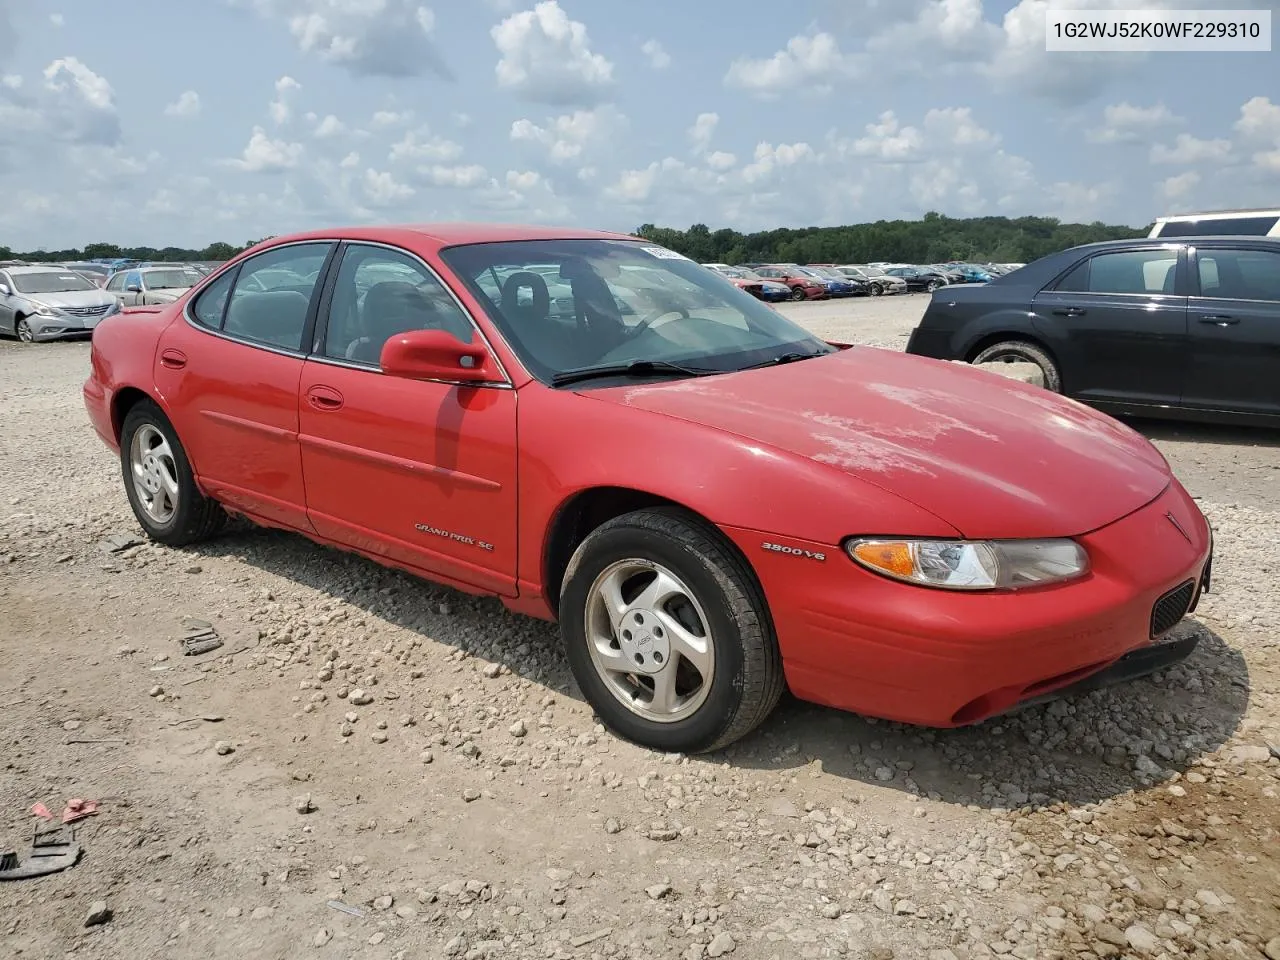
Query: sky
pixel 186 122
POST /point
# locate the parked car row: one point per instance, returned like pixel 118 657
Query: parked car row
pixel 821 281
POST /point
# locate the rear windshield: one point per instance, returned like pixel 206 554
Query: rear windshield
pixel 1220 226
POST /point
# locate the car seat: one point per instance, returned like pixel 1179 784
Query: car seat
pixel 273 316
pixel 390 307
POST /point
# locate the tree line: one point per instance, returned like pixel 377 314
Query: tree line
pixel 110 251
pixel 932 239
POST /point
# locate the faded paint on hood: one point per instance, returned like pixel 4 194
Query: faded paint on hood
pixel 993 457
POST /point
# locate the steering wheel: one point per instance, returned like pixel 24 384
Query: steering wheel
pixel 649 319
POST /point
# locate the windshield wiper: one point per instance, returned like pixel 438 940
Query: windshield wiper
pixel 636 368
pixel 784 358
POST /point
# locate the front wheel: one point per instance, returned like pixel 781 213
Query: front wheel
pixel 797 293
pixel 1020 351
pixel 876 290
pixel 24 331
pixel 668 634
pixel 158 480
pixel 932 285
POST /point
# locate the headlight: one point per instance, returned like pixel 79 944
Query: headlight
pixel 972 564
pixel 44 310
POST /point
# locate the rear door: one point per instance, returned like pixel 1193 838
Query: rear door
pixel 1234 313
pixel 1117 322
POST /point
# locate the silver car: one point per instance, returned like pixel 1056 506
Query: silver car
pixel 138 286
pixel 50 303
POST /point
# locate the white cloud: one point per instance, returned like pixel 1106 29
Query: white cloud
pixel 469 175
pixel 415 147
pixel 375 37
pixel 1177 187
pixel 328 127
pixel 721 161
pixel 1259 120
pixel 657 56
pixel 768 157
pixel 187 105
pixel 350 161
pixel 1126 123
pixel 72 105
pixel 57 19
pixel 381 189
pixel 956 126
pixel 1189 149
pixel 569 136
pixel 888 140
pixel 813 63
pixel 547 58
pixel 390 118
pixel 264 155
pixel 703 129
pixel 281 108
pixel 523 180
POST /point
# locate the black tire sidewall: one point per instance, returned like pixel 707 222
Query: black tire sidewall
pixel 18 324
pixel 797 294
pixel 188 496
pixel 876 290
pixel 722 703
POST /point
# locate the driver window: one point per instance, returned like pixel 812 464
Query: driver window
pixel 380 293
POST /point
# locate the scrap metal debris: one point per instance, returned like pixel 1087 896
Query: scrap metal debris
pixel 199 638
pixel 346 908
pixel 119 542
pixel 76 809
pixel 52 851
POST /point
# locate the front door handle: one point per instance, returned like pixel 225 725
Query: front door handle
pixel 1219 319
pixel 173 359
pixel 1071 312
pixel 324 398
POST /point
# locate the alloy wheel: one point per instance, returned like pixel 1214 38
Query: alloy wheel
pixel 155 474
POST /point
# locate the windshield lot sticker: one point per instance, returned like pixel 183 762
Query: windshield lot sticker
pixel 663 253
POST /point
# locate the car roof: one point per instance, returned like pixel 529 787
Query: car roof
pixel 1177 241
pixel 450 234
pixel 39 268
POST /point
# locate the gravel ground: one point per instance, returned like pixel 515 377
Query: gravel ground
pixel 424 759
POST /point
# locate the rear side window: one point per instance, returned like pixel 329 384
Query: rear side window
pixel 272 295
pixel 1220 226
pixel 1240 274
pixel 1125 271
pixel 211 301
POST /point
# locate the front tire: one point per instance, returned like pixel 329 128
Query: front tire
pixel 932 285
pixel 1020 351
pixel 159 483
pixel 23 329
pixel 876 290
pixel 797 294
pixel 668 634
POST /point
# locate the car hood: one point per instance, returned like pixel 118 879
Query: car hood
pixel 73 298
pixel 993 457
pixel 168 294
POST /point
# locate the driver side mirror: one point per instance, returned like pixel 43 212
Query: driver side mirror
pixel 4 289
pixel 436 355
pixel 133 288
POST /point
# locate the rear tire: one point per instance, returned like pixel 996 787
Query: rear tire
pixel 660 589
pixel 159 483
pixel 1021 351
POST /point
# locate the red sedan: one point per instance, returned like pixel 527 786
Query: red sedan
pixel 712 502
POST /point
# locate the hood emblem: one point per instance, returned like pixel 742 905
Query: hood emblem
pixel 1177 526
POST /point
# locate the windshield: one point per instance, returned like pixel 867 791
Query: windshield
pixel 568 304
pixel 737 273
pixel 170 279
pixel 51 281
pixel 873 271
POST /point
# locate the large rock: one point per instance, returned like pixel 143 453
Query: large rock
pixel 1023 372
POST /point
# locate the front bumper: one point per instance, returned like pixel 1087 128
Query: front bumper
pixel 856 641
pixel 62 326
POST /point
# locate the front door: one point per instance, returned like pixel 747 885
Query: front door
pixel 1235 330
pixel 420 472
pixel 230 378
pixel 1118 324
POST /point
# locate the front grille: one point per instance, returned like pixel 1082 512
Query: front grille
pixel 1169 610
pixel 87 311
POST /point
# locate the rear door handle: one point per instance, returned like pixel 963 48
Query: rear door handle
pixel 1219 319
pixel 173 359
pixel 324 398
pixel 1071 312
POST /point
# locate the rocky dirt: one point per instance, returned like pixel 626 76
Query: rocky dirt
pixel 372 766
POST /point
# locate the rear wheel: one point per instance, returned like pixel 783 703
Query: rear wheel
pixel 158 480
pixel 1020 351
pixel 668 634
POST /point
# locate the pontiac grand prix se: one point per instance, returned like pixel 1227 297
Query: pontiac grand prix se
pixel 711 502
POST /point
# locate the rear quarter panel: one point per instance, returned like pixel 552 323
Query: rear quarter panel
pixel 122 357
pixel 958 321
